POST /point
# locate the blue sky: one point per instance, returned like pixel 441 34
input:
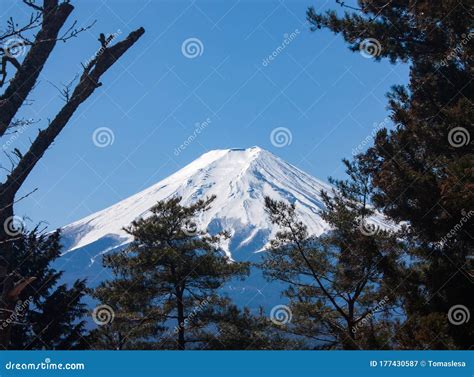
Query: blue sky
pixel 326 96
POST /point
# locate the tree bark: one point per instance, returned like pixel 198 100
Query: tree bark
pixel 181 324
pixel 89 81
pixel 54 17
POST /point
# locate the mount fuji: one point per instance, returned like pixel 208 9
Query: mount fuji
pixel 240 179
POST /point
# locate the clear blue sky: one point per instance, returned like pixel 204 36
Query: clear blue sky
pixel 328 97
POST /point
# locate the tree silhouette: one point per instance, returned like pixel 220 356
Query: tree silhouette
pixel 38 38
pixel 422 169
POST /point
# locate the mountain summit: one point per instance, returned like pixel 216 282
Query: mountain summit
pixel 240 179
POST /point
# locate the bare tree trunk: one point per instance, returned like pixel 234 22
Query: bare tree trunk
pixel 7 305
pixel 181 324
pixel 54 16
pixel 351 343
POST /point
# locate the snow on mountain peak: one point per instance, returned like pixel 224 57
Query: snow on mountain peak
pixel 240 179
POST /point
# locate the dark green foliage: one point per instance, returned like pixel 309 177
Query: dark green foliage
pixel 339 284
pixel 169 276
pixel 423 169
pixel 241 330
pixel 49 315
pixel 125 318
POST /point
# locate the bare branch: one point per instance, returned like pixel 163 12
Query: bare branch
pixel 31 3
pixel 65 91
pixel 12 30
pixel 88 82
pixel 344 5
pixel 54 17
pixel 20 286
pixel 72 32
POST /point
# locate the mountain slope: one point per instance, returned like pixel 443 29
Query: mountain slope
pixel 240 178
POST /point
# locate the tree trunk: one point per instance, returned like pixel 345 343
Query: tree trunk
pixel 7 303
pixel 54 17
pixel 9 105
pixel 351 343
pixel 181 324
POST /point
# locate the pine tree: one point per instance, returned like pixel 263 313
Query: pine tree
pixel 124 316
pixel 239 329
pixel 422 170
pixel 47 315
pixel 339 283
pixel 169 276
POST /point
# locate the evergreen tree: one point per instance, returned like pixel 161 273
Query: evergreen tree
pixel 47 315
pixel 241 330
pixel 169 276
pixel 125 318
pixel 339 283
pixel 422 170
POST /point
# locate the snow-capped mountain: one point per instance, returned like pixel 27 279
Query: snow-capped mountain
pixel 240 179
